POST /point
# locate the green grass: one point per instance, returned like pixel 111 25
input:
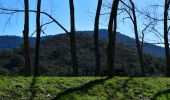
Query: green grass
pixel 84 88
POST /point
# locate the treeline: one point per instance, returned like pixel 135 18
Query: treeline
pixel 55 58
pixel 128 7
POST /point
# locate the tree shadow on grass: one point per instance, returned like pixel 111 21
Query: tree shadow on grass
pixel 33 88
pixel 84 87
pixel 158 94
pixel 122 86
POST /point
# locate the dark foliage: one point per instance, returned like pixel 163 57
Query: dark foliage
pixel 55 58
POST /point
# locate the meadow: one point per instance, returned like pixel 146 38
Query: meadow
pixel 84 88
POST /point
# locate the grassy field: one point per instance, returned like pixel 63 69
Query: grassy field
pixel 84 88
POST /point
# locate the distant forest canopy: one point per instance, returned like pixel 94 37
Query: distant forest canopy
pixel 81 54
pixel 55 58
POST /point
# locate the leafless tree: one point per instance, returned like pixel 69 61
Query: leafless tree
pixel 147 26
pixel 96 39
pixel 138 46
pixel 132 15
pixel 166 30
pixel 26 39
pixel 112 38
pixel 167 52
pixel 72 39
pixel 38 34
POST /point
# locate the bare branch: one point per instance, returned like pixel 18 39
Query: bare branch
pixel 8 22
pixel 10 11
pixel 42 26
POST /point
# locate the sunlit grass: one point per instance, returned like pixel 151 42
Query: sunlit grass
pixel 119 88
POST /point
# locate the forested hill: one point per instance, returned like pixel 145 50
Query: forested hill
pixel 7 42
pixel 55 58
pixel 121 38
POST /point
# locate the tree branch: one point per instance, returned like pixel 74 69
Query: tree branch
pixel 12 11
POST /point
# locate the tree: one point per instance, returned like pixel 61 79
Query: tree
pixel 138 46
pixel 72 39
pixel 112 38
pixel 166 42
pixel 165 20
pixel 132 15
pixel 26 39
pixel 96 39
pixel 38 34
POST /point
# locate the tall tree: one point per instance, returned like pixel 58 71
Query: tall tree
pixel 138 46
pixel 26 38
pixel 38 34
pixel 72 39
pixel 112 38
pixel 96 39
pixel 166 42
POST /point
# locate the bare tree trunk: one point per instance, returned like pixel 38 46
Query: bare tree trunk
pixel 72 39
pixel 37 46
pixel 96 39
pixel 139 50
pixel 167 2
pixel 112 38
pixel 26 39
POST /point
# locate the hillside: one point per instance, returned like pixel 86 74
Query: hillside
pixel 84 88
pixel 55 58
pixel 7 42
pixel 121 38
pixel 57 52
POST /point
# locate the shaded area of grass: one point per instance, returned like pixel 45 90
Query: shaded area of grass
pixel 165 94
pixel 33 88
pixel 84 88
pixel 39 87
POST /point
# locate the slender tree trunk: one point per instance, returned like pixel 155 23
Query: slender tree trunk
pixel 112 38
pixel 72 39
pixel 37 46
pixel 139 50
pixel 96 39
pixel 26 39
pixel 166 37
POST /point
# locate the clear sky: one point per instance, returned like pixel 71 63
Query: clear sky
pixel 59 9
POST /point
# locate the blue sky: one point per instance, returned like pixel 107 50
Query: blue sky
pixel 59 9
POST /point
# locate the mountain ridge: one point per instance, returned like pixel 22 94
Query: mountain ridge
pixel 122 38
pixel 8 42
